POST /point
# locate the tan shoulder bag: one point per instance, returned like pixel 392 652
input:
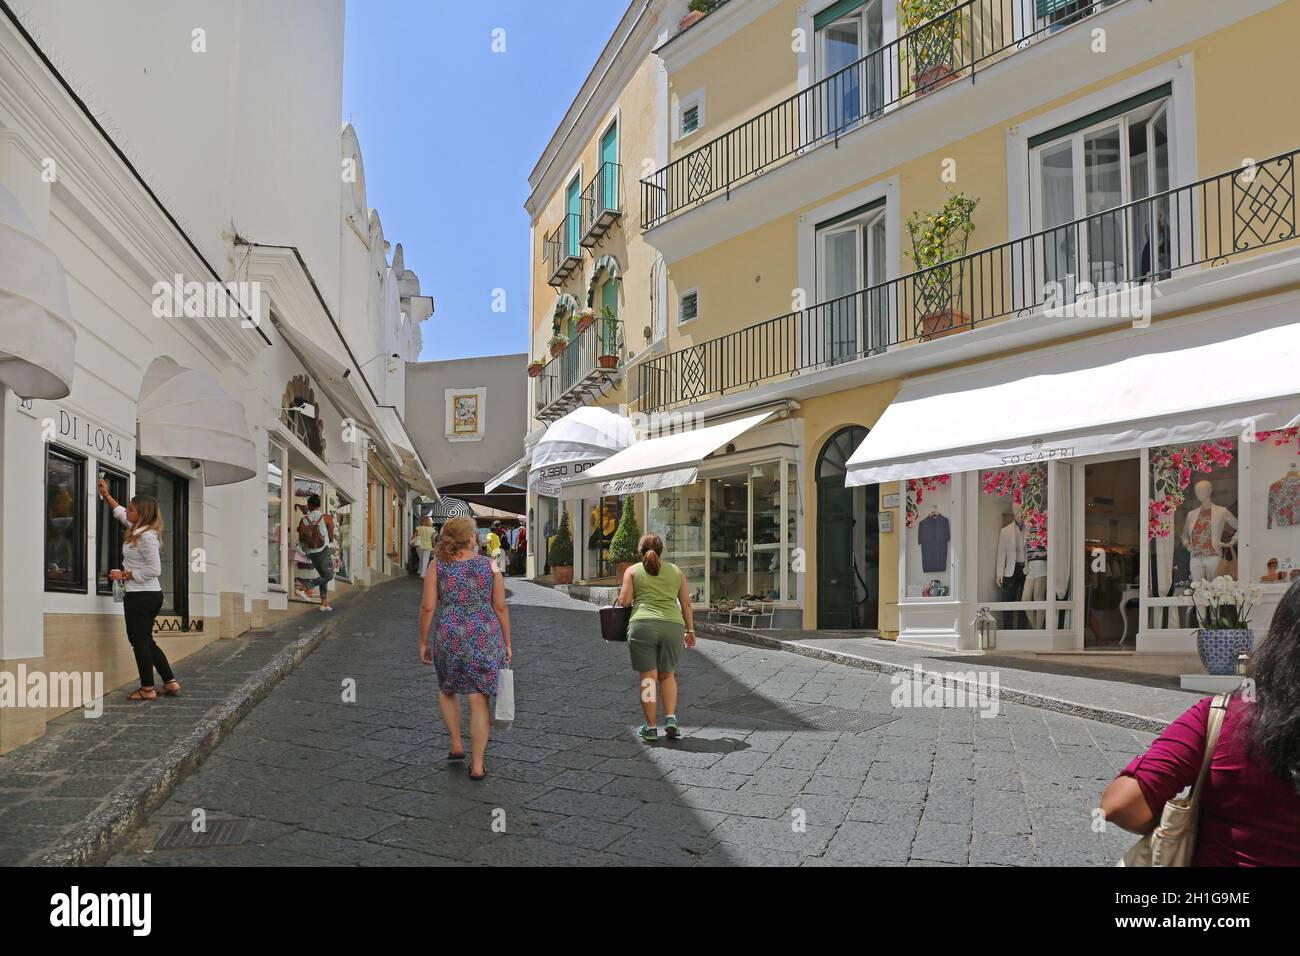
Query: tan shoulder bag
pixel 1173 841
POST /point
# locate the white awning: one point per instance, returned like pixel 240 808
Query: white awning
pixel 38 341
pixel 330 371
pixel 1181 383
pixel 667 462
pixel 511 476
pixel 412 468
pixel 576 442
pixel 183 413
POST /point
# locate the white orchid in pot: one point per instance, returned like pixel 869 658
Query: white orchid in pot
pixel 1222 607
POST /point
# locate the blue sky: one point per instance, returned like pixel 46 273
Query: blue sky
pixel 449 132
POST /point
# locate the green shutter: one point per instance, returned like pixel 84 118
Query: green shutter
pixel 1110 112
pixel 852 213
pixel 836 11
pixel 1047 7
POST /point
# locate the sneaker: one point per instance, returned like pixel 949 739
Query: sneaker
pixel 326 607
pixel 671 730
pixel 647 732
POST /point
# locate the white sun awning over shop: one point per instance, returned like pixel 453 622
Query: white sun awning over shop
pixel 184 414
pixel 38 341
pixel 667 462
pixel 572 444
pixel 1182 383
pixel 515 476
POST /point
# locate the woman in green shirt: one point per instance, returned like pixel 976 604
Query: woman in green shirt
pixel 662 624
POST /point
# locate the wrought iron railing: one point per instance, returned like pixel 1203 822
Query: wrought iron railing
pixel 561 249
pixel 1111 260
pixel 957 44
pixel 592 353
pixel 602 202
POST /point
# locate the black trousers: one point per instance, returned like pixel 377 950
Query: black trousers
pixel 142 609
pixel 1011 590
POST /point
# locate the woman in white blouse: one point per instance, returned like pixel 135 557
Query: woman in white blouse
pixel 139 574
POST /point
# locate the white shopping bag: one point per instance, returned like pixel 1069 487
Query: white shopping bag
pixel 504 714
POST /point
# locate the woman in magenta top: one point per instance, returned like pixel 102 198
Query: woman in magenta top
pixel 1250 807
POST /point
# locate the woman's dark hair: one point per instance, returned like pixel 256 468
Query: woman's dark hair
pixel 313 502
pixel 1273 729
pixel 651 547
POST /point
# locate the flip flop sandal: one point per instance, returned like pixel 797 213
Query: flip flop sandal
pixel 452 755
pixel 172 693
pixel 477 778
pixel 139 695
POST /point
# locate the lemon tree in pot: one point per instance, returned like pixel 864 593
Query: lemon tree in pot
pixel 622 548
pixel 560 551
pixel 939 242
pixel 930 29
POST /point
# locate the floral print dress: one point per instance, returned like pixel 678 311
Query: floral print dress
pixel 468 648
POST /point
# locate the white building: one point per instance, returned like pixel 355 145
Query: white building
pixel 143 142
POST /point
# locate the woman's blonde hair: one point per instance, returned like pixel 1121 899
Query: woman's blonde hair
pixel 651 547
pixel 148 517
pixel 457 535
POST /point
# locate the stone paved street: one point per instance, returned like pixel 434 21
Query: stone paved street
pixel 329 782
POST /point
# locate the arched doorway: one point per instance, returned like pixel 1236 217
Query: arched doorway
pixel 848 540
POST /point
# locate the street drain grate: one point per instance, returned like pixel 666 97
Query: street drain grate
pixel 816 716
pixel 181 836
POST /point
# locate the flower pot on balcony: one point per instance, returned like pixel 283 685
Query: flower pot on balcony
pixel 562 575
pixel 692 18
pixel 534 369
pixel 586 318
pixel 607 361
pixel 933 77
pixel 935 325
pixel 1219 647
pixel 557 348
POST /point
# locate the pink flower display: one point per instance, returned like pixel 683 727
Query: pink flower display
pixel 916 490
pixel 1171 472
pixel 1027 488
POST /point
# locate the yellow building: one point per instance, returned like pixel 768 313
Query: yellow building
pixel 988 303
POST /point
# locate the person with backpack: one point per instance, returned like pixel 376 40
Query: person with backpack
pixel 316 537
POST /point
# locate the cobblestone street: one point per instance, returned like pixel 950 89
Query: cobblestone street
pixel 756 780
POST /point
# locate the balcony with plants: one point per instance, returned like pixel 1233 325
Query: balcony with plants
pixel 1121 252
pixel 580 368
pixel 942 41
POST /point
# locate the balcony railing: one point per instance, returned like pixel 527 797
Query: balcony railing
pixel 1112 261
pixel 955 45
pixel 580 373
pixel 561 251
pixel 602 203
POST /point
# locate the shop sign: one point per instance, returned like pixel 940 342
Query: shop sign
pixel 1037 452
pixel 636 484
pixel 889 500
pixel 81 433
pixel 547 480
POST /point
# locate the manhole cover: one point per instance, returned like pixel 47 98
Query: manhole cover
pixel 181 836
pixel 816 716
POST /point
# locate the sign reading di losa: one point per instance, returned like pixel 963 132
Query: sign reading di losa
pixel 79 432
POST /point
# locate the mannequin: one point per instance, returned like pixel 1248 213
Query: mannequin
pixel 1035 583
pixel 1009 570
pixel 1203 532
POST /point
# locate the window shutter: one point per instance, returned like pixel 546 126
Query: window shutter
pixel 838 11
pixel 690 119
pixel 690 307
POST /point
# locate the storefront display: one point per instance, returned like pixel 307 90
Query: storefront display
pixel 929 535
pixel 65 520
pixel 677 515
pixel 304 575
pixel 274 514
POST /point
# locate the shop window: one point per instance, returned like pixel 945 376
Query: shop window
pixel 172 494
pixel 546 524
pixel 931 524
pixel 601 522
pixel 274 514
pixel 765 549
pixel 1192 521
pixel 1275 518
pixel 303 571
pixel 65 521
pixel 109 532
pixel 678 516
pixel 795 559
pixel 342 511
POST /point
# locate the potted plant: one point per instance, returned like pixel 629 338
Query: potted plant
pixel 622 547
pixel 932 42
pixel 1222 608
pixel 609 339
pixel 560 551
pixel 699 10
pixel 535 367
pixel 558 343
pixel 586 318
pixel 939 238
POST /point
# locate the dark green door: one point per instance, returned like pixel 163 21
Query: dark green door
pixel 848 540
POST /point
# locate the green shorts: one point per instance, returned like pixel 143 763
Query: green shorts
pixel 655 645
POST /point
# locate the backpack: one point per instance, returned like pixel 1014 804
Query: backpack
pixel 309 536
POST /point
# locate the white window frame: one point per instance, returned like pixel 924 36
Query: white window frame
pixel 684 103
pixel 811 55
pixel 680 297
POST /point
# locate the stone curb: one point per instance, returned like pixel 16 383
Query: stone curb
pixel 1070 708
pixel 104 829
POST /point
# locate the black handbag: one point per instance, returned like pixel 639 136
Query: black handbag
pixel 613 622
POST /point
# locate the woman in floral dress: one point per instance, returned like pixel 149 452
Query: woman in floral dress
pixel 465 598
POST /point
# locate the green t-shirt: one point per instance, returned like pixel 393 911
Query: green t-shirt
pixel 654 596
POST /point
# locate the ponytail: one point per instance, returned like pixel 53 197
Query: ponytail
pixel 651 547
